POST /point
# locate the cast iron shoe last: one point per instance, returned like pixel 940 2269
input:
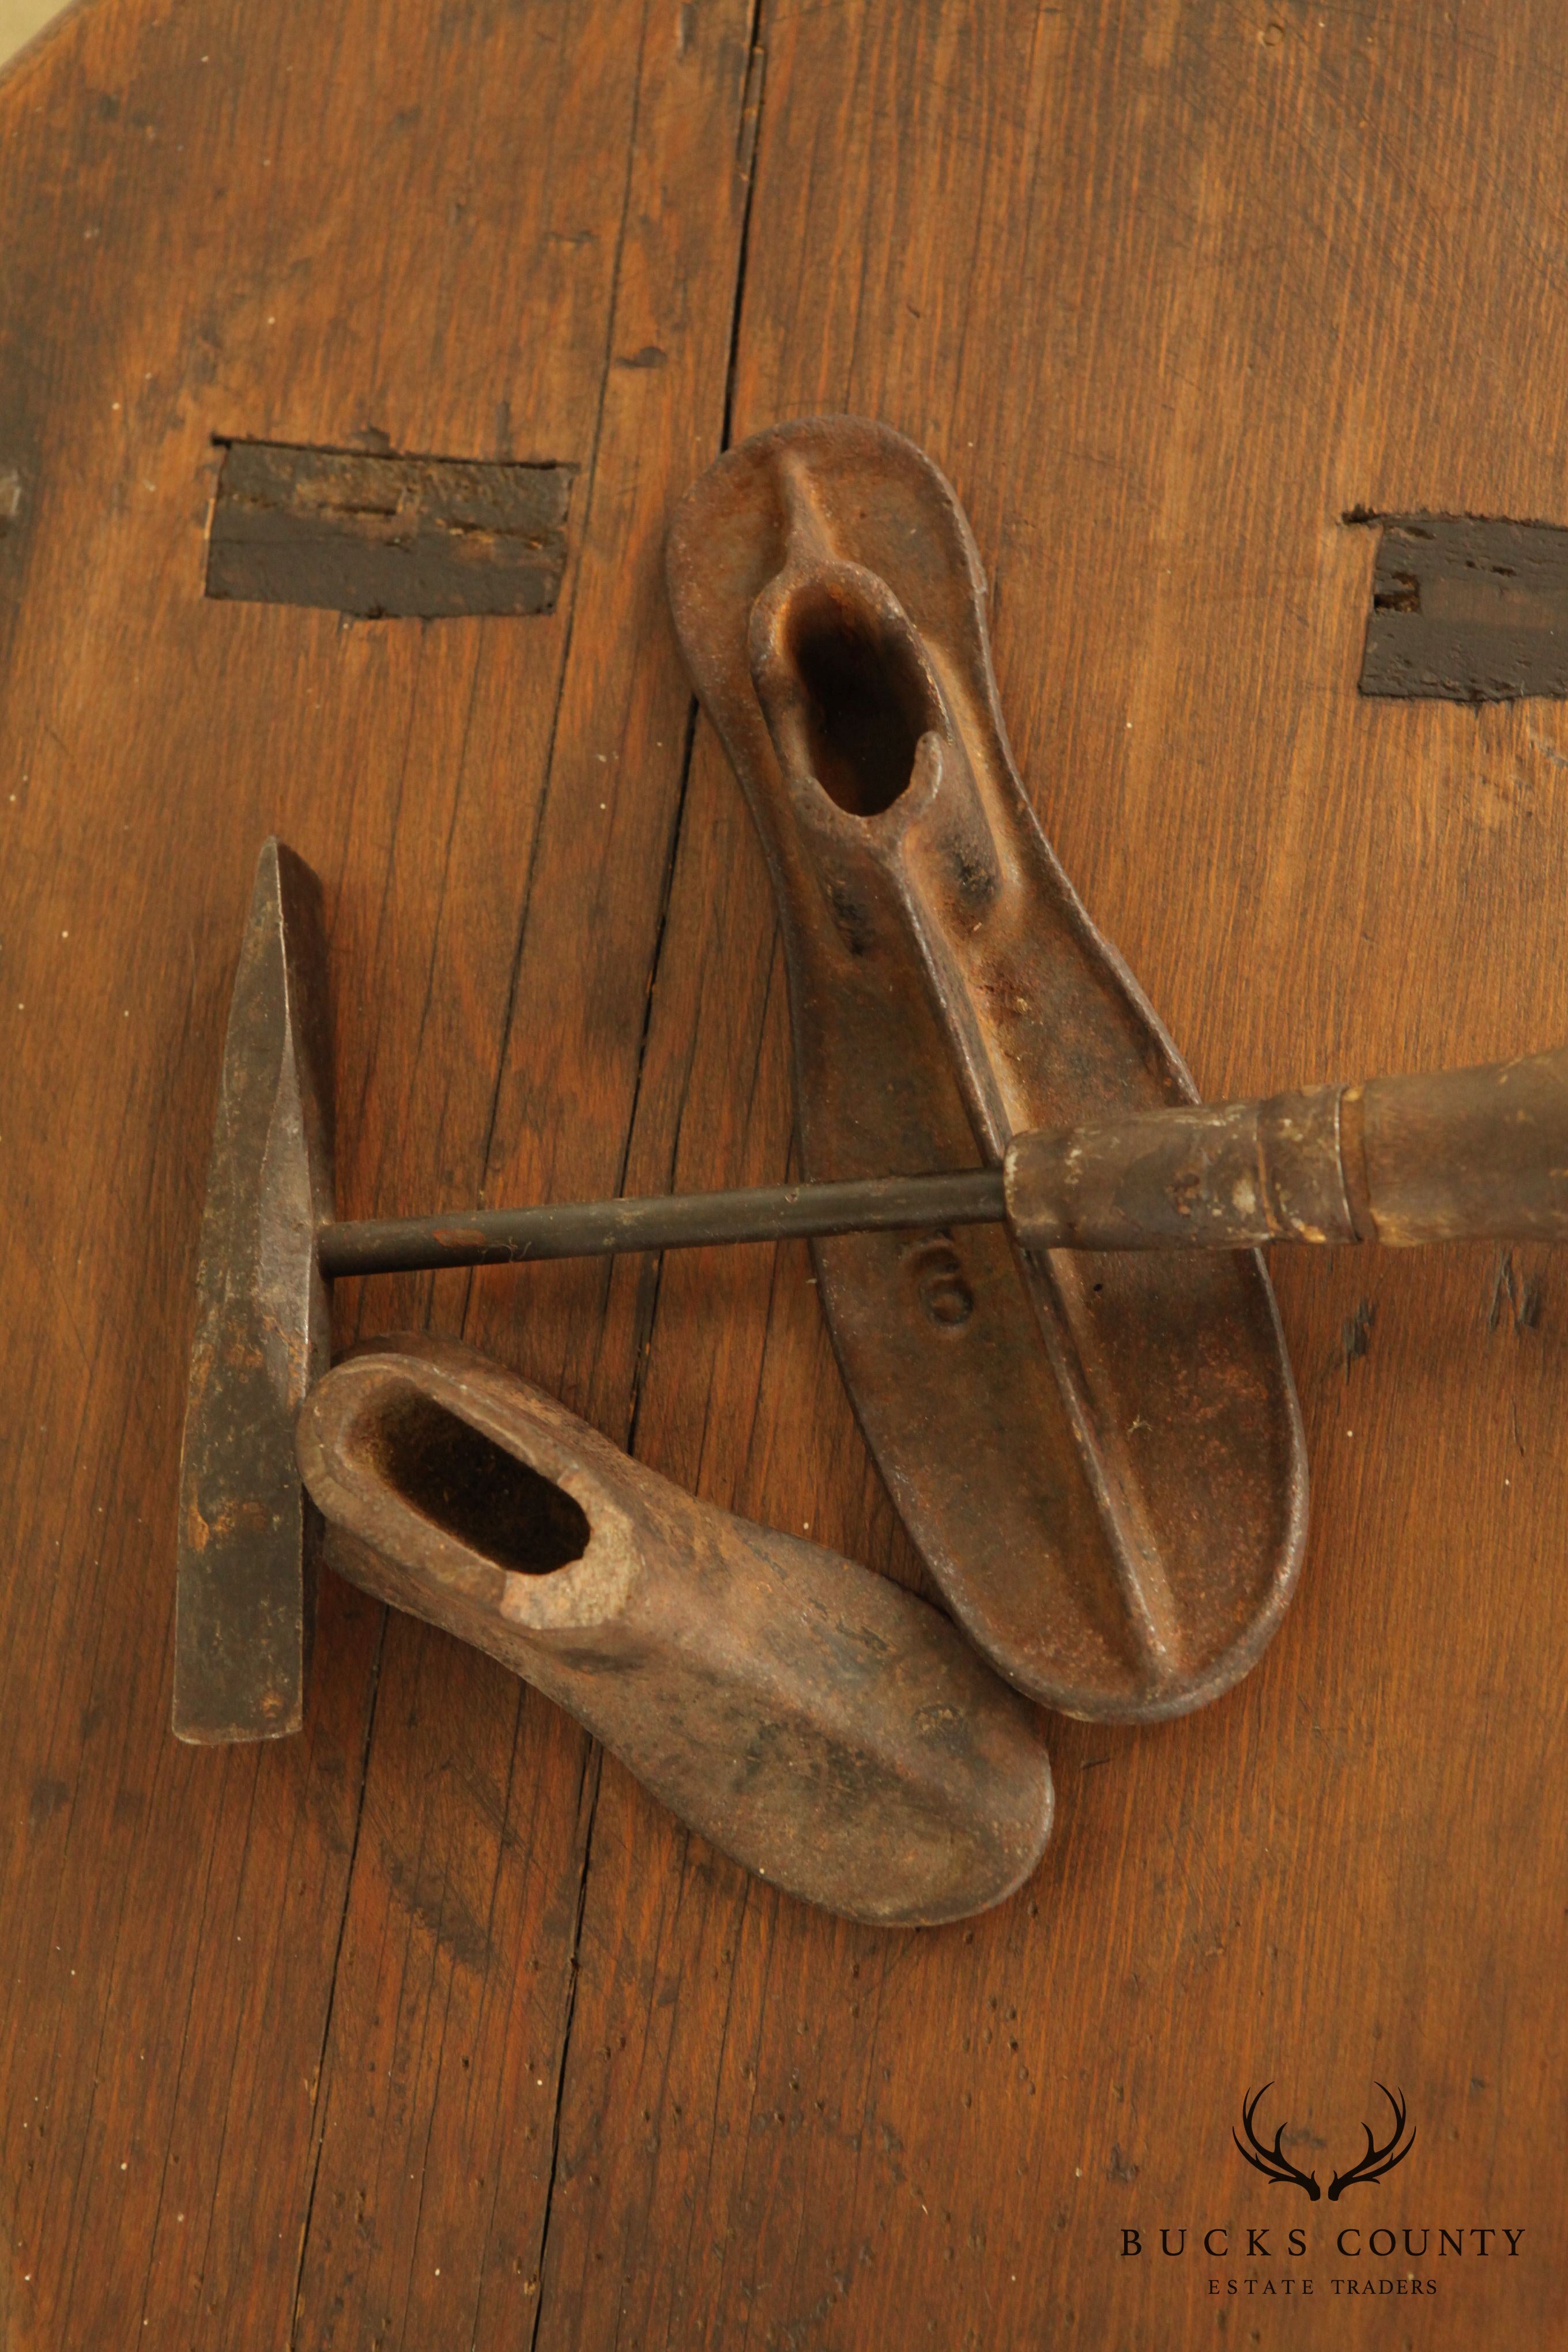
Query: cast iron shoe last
pixel 1100 1457
pixel 826 1728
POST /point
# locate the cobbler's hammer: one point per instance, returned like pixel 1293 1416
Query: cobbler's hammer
pixel 245 1605
pixel 1451 1156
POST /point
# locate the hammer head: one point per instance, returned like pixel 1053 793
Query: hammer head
pixel 246 1599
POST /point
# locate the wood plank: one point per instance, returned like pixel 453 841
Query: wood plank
pixel 442 2069
pixel 1163 289
pixel 397 226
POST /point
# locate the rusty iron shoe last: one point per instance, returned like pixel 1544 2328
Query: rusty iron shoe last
pixel 821 1725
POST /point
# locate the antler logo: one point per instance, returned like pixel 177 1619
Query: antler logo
pixel 1377 2161
pixel 1272 2162
pixel 1275 2165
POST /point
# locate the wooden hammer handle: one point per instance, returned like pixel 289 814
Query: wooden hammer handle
pixel 1458 1155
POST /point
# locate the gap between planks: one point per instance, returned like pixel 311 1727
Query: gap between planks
pixel 747 139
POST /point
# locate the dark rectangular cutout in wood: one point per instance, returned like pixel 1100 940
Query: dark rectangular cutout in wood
pixel 384 536
pixel 1465 609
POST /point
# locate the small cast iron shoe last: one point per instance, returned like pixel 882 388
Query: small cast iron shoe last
pixel 817 1722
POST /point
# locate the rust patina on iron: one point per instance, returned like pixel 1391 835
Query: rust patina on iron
pixel 827 1727
pixel 1450 1155
pixel 820 1724
pixel 1099 1458
pixel 1438 1156
pixel 245 1602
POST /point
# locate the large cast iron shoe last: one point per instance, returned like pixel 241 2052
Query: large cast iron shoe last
pixel 817 1722
pixel 1100 1459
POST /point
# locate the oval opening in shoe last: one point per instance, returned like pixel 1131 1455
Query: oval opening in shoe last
pixel 866 700
pixel 473 1489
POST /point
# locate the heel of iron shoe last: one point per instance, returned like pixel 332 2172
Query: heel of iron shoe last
pixel 824 1727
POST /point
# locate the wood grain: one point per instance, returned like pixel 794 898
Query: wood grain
pixel 280 2119
pixel 428 2029
pixel 1165 291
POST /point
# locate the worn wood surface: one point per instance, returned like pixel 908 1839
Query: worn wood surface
pixel 387 537
pixel 430 2030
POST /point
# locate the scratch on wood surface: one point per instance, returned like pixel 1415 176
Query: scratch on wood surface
pixel 1522 1294
pixel 1355 1333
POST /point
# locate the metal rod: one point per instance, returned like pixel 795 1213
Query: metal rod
pixel 970 1196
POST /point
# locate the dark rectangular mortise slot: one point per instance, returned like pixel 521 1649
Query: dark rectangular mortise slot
pixel 1467 610
pixel 421 538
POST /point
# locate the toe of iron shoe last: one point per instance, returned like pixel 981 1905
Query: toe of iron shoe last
pixel 821 1725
